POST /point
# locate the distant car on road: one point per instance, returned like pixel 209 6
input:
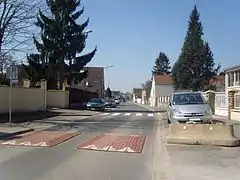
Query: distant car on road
pixel 188 107
pixel 96 104
pixel 117 101
pixel 110 103
pixel 123 100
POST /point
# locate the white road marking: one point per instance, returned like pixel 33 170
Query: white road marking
pixel 27 143
pixel 139 114
pixel 130 150
pixel 127 114
pixel 42 144
pixel 123 149
pixel 111 149
pixel 104 148
pixel 150 114
pixel 105 114
pixel 116 114
pixel 9 143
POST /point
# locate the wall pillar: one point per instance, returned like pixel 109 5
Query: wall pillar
pixel 44 87
pixel 230 102
pixel 26 83
pixel 211 100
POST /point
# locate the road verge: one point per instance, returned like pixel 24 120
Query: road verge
pixel 162 166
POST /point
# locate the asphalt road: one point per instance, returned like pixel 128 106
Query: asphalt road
pixel 65 161
pixel 157 161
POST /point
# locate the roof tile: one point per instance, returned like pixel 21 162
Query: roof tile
pixel 163 80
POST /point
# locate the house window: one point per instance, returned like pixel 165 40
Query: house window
pixel 237 101
pixel 230 79
pixel 237 82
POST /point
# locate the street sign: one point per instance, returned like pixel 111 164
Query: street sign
pixel 12 73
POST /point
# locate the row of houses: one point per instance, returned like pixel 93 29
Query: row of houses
pixel 227 93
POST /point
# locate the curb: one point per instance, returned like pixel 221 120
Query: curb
pixel 16 133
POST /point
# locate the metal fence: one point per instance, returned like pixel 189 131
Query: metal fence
pixel 237 101
pixel 220 99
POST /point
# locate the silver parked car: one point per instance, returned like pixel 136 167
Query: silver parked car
pixel 188 107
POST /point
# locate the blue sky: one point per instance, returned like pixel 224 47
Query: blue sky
pixel 130 34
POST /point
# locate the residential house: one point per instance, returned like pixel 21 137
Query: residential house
pixel 116 93
pixel 94 83
pixel 218 82
pixel 144 97
pixel 137 95
pixel 162 86
pixel 232 82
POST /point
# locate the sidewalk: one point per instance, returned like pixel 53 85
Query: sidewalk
pixel 224 119
pixel 50 113
pixel 37 121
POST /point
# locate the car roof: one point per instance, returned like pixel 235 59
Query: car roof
pixel 187 93
pixel 95 98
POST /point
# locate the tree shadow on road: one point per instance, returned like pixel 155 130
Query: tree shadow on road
pixel 8 136
pixel 28 117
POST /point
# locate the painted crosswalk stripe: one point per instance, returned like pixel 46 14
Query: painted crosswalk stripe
pixel 116 114
pixel 150 114
pixel 139 114
pixel 127 114
pixel 105 114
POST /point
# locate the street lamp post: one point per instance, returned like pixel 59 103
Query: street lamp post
pixel 110 81
pixel 12 75
pixel 106 67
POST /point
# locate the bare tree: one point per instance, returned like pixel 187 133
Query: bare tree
pixel 17 18
pixel 147 86
pixel 4 62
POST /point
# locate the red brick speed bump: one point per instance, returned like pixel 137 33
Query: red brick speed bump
pixel 42 138
pixel 115 143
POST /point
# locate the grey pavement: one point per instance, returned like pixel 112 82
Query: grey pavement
pixel 187 162
pixel 158 161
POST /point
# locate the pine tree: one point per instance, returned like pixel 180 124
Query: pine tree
pixel 162 65
pixel 108 92
pixel 195 65
pixel 209 70
pixel 62 42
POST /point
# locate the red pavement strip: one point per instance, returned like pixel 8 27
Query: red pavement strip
pixel 115 143
pixel 42 138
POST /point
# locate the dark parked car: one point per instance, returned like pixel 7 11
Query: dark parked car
pixel 110 103
pixel 96 104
